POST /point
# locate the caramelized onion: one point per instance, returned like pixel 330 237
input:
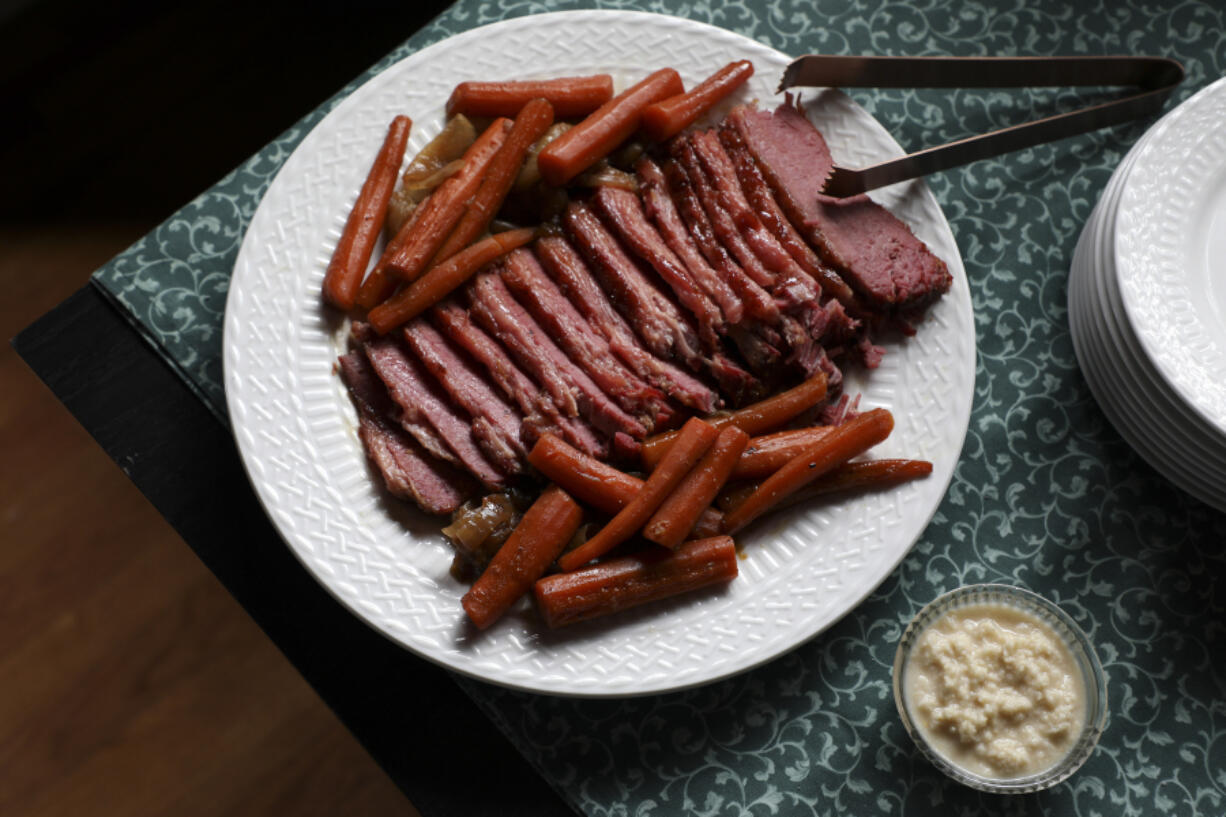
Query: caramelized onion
pixel 426 171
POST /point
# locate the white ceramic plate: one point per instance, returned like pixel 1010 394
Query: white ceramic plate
pixel 1166 433
pixel 801 571
pixel 1170 251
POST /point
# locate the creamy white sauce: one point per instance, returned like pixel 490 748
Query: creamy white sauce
pixel 995 691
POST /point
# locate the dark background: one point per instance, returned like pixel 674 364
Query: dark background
pixel 131 682
pixel 126 110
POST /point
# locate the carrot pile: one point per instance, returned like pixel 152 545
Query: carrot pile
pixel 708 465
pixel 668 532
pixel 432 241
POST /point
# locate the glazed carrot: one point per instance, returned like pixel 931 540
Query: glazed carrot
pixel 406 255
pixel 871 475
pixel 668 117
pixel 545 529
pixel 754 419
pixel 357 241
pixel 592 482
pixel 569 96
pixel 442 280
pixel 766 455
pixel 619 584
pixel 841 444
pixel 533 120
pixel 672 523
pixel 693 441
pixel 611 124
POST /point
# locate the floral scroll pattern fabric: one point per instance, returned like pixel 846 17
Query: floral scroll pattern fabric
pixel 1046 495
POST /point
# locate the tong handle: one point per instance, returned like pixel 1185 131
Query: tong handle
pixel 1156 76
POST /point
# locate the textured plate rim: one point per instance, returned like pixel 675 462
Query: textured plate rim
pixel 1168 146
pixel 957 303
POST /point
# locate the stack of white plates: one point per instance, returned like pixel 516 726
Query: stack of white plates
pixel 1147 297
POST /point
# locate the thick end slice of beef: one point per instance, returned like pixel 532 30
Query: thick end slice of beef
pixel 407 470
pixel 873 250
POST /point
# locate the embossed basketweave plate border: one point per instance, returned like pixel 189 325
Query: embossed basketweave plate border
pixel 1169 190
pixel 295 429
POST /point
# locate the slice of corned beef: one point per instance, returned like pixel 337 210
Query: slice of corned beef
pixel 407 470
pixel 663 212
pixel 540 414
pixel 585 346
pixel 570 272
pixel 622 211
pixel 655 318
pixel 495 423
pixel 422 403
pixel 721 221
pixel 876 253
pixel 506 319
pixel 642 303
pixel 762 200
pixel 793 289
pixel 757 301
pixel 425 435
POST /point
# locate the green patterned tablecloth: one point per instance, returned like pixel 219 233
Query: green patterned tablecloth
pixel 1046 494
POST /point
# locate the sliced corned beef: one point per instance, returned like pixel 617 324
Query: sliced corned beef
pixel 794 288
pixel 762 200
pixel 422 403
pixel 585 346
pixel 570 272
pixel 645 306
pixel 540 413
pixel 505 318
pixel 721 221
pixel 654 317
pixel 875 252
pixel 424 433
pixel 623 213
pixel 407 470
pixel 495 422
pixel 797 336
pixel 663 212
pixel 758 302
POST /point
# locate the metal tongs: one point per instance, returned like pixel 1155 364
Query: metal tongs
pixel 1155 76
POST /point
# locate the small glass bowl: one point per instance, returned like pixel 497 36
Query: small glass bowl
pixel 1095 683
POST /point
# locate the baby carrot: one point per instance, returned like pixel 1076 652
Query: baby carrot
pixel 871 475
pixel 607 127
pixel 766 455
pixel 672 523
pixel 569 96
pixel 357 241
pixel 668 117
pixel 619 584
pixel 442 280
pixel 754 419
pixel 841 444
pixel 406 255
pixel 693 441
pixel 544 530
pixel 533 120
pixel 592 482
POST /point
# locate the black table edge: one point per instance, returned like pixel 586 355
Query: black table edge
pixel 416 722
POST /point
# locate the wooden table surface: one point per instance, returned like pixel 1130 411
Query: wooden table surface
pixel 133 682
